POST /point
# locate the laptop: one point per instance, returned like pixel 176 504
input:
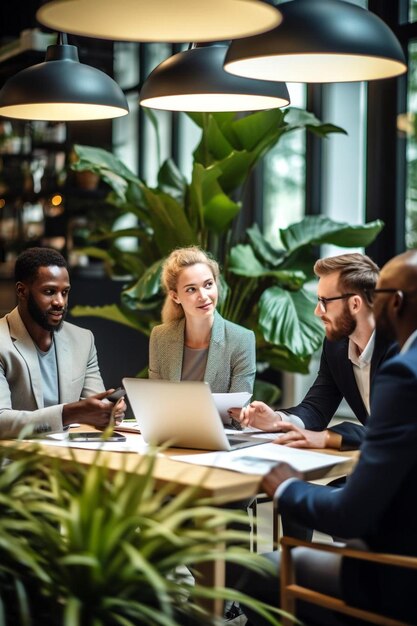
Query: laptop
pixel 181 413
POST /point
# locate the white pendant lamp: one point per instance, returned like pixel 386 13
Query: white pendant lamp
pixel 320 41
pixel 195 80
pixel 62 89
pixel 160 20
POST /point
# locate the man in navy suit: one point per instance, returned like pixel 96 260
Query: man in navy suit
pixel 376 505
pixel 350 358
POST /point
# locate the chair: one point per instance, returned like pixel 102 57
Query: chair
pixel 291 591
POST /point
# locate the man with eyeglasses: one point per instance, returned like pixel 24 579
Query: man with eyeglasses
pixel 350 358
pixel 376 505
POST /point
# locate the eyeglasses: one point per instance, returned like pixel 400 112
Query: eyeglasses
pixel 371 292
pixel 323 301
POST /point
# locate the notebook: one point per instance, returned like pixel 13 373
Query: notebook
pixel 182 414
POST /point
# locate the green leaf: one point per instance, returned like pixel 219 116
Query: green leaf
pixel 203 186
pixel 243 262
pixel 281 359
pixel 97 159
pixel 150 114
pixel 201 118
pixel 287 319
pixel 220 211
pixel 262 248
pixel 235 169
pixel 252 130
pixel 171 181
pixel 171 226
pixel 147 287
pixel 110 312
pixel 213 146
pixel 316 230
pixel 299 118
pixel 113 171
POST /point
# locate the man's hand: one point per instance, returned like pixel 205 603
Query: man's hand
pixel 94 410
pixel 257 414
pixel 295 437
pixel 278 475
pixel 118 410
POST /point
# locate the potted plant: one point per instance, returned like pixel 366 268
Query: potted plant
pixel 263 285
pixel 94 547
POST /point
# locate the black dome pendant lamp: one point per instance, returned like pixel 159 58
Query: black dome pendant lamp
pixel 320 41
pixel 62 89
pixel 194 80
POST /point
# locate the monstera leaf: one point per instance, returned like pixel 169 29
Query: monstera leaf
pixel 318 230
pixel 286 318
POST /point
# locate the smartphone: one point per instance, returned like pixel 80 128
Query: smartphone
pixel 93 436
pixel 116 395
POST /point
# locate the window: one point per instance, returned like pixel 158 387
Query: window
pixel 284 176
pixel 408 123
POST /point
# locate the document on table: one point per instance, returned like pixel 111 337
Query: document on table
pixel 256 433
pixel 127 426
pixel 225 401
pixel 260 459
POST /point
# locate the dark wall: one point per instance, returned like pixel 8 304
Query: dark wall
pixel 122 351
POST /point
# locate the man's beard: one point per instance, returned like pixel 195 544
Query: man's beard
pixel 41 318
pixel 342 327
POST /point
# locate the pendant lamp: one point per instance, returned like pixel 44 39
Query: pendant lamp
pixel 62 89
pixel 320 41
pixel 160 20
pixel 195 80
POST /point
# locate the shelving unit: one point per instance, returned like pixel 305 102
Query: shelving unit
pixel 39 194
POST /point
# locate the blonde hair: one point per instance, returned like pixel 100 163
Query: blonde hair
pixel 178 260
pixel 357 272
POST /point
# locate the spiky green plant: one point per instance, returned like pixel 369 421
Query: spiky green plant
pixel 88 546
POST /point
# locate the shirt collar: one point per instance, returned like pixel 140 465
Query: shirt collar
pixel 409 341
pixel 363 359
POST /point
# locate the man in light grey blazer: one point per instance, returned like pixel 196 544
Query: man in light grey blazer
pixel 49 373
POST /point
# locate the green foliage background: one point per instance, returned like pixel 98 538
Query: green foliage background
pixel 264 287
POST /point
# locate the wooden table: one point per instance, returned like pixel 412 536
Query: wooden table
pixel 221 485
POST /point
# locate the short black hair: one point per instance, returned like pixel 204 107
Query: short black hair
pixel 30 260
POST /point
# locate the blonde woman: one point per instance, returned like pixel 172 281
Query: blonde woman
pixel 194 342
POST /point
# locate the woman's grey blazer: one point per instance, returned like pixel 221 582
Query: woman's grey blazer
pixel 231 360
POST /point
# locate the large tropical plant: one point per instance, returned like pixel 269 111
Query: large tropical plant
pixel 263 285
pixel 94 547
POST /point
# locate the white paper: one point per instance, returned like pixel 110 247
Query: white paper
pixel 256 433
pixel 127 426
pixel 259 459
pixel 226 401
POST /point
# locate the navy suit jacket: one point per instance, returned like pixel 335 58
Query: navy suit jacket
pixel 377 503
pixel 335 381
